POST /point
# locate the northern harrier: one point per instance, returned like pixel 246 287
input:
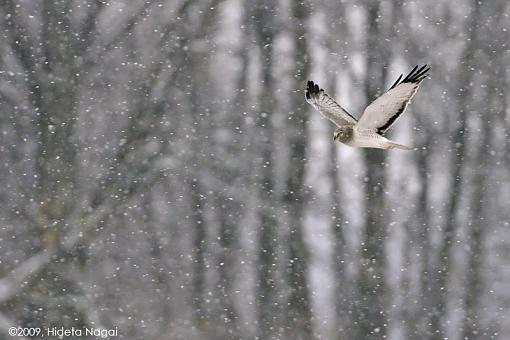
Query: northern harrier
pixel 378 117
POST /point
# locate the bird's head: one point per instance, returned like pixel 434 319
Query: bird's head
pixel 336 134
pixel 343 133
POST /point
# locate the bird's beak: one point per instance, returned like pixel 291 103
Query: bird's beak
pixel 335 135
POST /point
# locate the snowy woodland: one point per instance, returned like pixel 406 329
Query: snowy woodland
pixel 162 173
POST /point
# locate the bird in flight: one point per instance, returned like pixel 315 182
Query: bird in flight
pixel 378 117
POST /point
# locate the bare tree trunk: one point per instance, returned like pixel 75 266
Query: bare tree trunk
pixel 441 273
pixel 482 162
pixel 299 314
pixel 263 25
pixel 422 239
pixel 371 312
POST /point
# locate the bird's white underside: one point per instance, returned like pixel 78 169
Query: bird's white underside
pixel 370 139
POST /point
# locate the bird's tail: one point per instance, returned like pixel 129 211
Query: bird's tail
pixel 393 145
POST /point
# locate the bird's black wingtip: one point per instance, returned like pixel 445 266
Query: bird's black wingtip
pixel 309 87
pixel 312 88
pixel 417 74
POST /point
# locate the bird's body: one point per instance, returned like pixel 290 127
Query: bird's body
pixel 352 136
pixel 378 117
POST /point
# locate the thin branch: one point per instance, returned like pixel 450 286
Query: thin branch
pixel 18 277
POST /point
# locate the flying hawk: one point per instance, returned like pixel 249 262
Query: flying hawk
pixel 378 117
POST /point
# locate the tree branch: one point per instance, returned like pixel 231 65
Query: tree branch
pixel 18 277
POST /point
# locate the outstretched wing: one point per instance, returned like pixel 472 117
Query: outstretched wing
pixel 327 106
pixel 385 110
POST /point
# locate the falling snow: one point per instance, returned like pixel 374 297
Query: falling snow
pixel 164 177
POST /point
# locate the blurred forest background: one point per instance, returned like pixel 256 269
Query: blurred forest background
pixel 162 173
